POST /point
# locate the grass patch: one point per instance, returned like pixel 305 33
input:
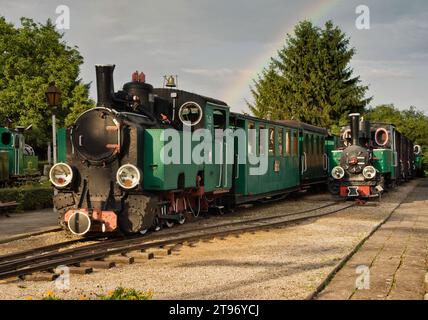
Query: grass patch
pixel 127 294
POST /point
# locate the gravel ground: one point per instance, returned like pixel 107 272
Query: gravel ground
pixel 285 263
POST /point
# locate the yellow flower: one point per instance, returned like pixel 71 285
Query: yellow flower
pixel 50 293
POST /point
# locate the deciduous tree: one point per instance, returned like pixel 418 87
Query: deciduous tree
pixel 31 56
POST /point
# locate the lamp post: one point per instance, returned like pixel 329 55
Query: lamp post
pixel 53 97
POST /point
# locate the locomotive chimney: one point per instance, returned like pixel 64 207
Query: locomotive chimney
pixel 105 87
pixel 355 128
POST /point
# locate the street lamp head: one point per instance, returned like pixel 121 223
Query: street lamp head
pixel 53 95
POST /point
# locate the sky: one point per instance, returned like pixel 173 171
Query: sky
pixel 216 47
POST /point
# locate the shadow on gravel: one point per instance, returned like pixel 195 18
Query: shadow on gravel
pixel 264 276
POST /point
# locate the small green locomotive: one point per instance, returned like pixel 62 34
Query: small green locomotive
pixel 17 159
pixel 373 157
pixel 148 157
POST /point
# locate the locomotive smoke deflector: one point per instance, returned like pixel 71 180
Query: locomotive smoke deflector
pixel 355 128
pixel 105 86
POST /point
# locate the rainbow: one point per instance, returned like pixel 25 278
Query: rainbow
pixel 240 88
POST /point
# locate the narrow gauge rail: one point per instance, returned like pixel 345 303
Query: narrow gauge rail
pixel 48 261
pixel 49 249
pixel 7 258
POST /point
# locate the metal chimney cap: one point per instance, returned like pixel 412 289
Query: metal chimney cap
pixel 354 114
pixel 105 65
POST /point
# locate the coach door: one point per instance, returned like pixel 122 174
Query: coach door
pixel 218 174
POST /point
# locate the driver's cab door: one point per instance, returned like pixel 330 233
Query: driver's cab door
pixel 218 174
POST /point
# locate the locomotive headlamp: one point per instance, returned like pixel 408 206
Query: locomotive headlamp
pixel 128 176
pixel 369 172
pixel 338 172
pixel 61 175
pixel 417 149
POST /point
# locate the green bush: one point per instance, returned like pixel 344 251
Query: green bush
pixel 28 197
pixel 127 294
pixel 41 164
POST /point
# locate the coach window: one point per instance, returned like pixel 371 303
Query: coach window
pixel 280 141
pixel 251 138
pixel 306 137
pixel 271 141
pixel 262 139
pixel 287 142
pixel 295 143
pixel 317 143
pixel 6 138
pixel 312 144
pixel 322 145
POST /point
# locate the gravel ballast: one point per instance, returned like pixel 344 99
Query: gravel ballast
pixel 285 263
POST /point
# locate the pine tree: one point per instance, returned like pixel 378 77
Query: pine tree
pixel 310 80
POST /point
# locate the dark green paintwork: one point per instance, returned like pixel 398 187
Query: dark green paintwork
pixel 334 159
pixel 61 144
pixel 217 176
pixel 159 176
pixel 331 144
pixel 286 177
pixel 418 162
pixel 6 156
pixel 312 156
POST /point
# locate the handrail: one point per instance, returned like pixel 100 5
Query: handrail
pixel 225 167
pixel 237 168
pixel 306 162
pixel 325 162
pixel 395 154
pixel 221 166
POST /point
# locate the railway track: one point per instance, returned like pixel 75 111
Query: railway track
pixel 47 258
pixel 63 245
